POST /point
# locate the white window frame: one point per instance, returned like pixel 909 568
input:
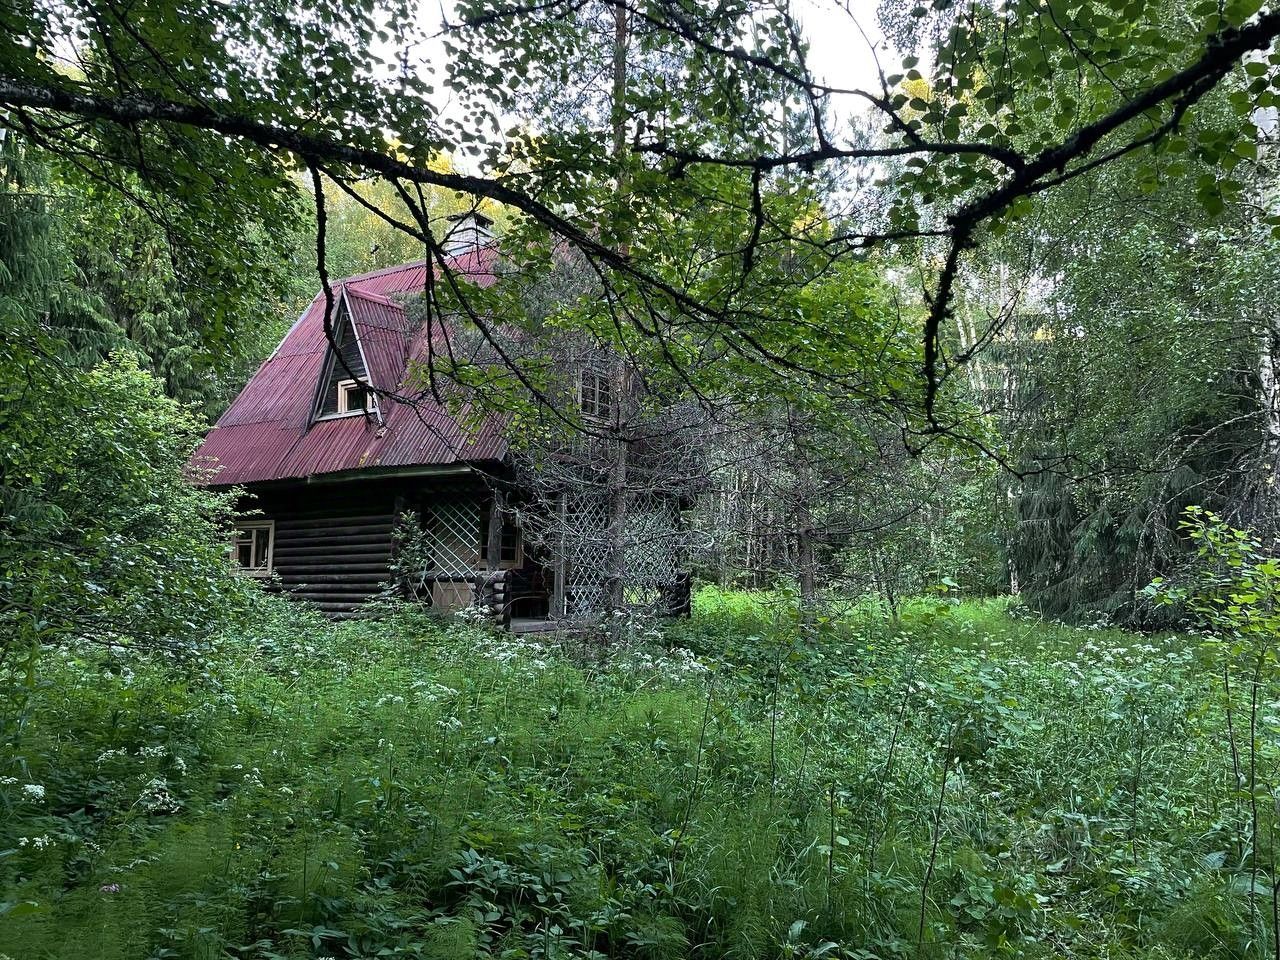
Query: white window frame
pixel 599 379
pixel 243 526
pixel 370 400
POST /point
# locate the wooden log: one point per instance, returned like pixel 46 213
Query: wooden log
pixel 348 597
pixel 365 547
pixel 318 565
pixel 355 516
pixel 333 529
pixel 362 581
pixel 322 539
pixel 362 551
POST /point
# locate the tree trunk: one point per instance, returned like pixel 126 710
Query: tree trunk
pixel 806 563
pixel 617 529
pixel 559 585
pixel 617 490
pixel 621 41
pixel 492 592
pixel 1269 379
pixel 493 544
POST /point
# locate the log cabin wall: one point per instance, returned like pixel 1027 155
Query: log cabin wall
pixel 333 542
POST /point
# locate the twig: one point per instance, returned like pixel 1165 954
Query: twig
pixel 937 836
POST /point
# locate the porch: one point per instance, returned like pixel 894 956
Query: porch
pixel 523 625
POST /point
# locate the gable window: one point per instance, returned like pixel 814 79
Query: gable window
pixel 353 397
pixel 595 394
pixel 252 543
pixel 344 389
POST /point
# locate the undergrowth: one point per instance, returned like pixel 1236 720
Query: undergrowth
pixel 957 782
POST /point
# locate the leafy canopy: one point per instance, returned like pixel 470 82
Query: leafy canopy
pixel 702 116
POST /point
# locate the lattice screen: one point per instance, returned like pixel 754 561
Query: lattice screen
pixel 654 544
pixel 455 538
pixel 586 555
pixel 652 547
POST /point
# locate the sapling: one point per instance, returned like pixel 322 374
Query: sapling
pixel 1232 589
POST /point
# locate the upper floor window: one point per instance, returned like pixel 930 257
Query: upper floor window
pixel 252 544
pixel 595 394
pixel 353 397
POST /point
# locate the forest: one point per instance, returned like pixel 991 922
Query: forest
pixel 932 350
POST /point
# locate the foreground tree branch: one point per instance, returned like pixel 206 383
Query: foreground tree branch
pixel 733 295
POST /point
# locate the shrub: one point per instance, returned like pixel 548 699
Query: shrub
pixel 103 536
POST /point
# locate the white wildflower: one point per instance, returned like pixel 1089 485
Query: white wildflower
pixel 33 791
pixel 156 798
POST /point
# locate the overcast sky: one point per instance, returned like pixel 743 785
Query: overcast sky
pixel 838 55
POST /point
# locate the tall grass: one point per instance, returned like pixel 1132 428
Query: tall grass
pixel 406 788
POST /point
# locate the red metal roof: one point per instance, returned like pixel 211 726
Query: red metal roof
pixel 267 433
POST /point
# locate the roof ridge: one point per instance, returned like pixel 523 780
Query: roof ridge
pixel 267 434
pixel 373 274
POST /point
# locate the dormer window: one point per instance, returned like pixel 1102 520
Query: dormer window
pixel 345 387
pixel 353 397
pixel 595 394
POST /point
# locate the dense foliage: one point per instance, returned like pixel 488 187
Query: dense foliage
pixel 960 783
pixel 690 155
pixel 104 536
pixel 1130 382
pixel 769 240
pixel 114 267
pixel 994 334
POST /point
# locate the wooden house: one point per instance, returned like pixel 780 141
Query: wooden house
pixel 331 466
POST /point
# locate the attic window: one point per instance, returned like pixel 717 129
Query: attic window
pixel 353 397
pixel 595 394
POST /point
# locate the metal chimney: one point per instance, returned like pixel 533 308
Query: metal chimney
pixel 468 231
